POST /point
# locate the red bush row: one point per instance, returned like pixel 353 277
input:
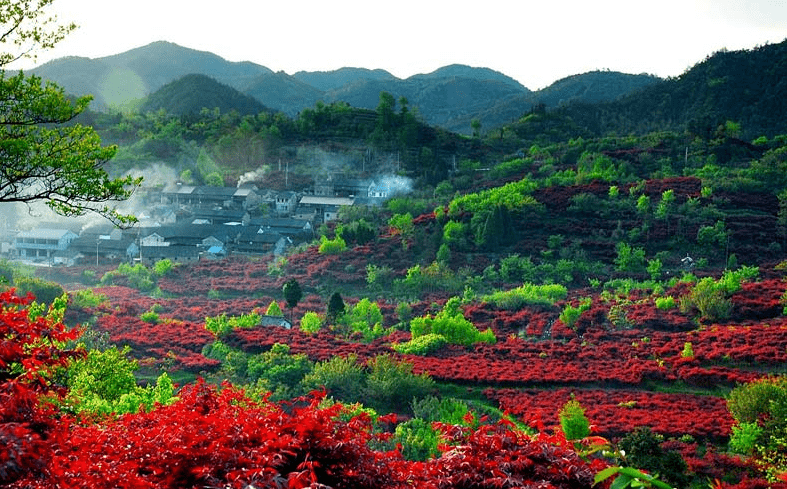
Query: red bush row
pixel 614 413
pixel 221 439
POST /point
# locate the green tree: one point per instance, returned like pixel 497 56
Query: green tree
pixel 342 377
pixel 402 224
pixel 273 309
pixel 643 450
pixel 292 293
pixel 336 307
pixel 475 124
pixel 573 422
pixel 630 259
pixel 310 322
pixel 391 384
pixel 45 156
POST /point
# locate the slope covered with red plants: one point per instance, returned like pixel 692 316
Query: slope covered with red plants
pixel 639 232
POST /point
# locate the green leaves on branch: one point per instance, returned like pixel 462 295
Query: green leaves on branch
pixel 629 477
pixel 45 159
pixel 26 29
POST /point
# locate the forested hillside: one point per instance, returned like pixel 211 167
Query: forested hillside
pixel 449 97
pixel 744 86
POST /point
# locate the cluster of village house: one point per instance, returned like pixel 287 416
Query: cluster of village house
pixel 187 223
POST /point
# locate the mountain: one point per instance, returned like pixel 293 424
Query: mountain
pixel 283 92
pixel 191 93
pixel 440 96
pixel 748 87
pixel 591 87
pixel 161 62
pixel 449 97
pixel 121 78
pixel 332 80
pixel 464 71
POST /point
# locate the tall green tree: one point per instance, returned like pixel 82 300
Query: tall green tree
pixel 336 307
pixel 292 294
pixel 44 155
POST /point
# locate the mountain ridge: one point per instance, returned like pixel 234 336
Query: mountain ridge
pixel 449 97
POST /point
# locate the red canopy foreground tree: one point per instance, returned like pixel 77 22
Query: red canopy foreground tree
pixel 30 348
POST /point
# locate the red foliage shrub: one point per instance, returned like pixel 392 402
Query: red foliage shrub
pixel 613 413
pixel 27 428
pixel 212 438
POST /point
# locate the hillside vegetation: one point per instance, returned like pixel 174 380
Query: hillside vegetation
pixel 591 295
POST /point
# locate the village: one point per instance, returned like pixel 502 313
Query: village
pixel 187 223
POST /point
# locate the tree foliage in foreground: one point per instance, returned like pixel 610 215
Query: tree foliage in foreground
pixel 45 157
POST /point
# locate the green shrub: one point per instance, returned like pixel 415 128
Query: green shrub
pixel 527 294
pixel 421 345
pixel 731 280
pixel 643 450
pixel 570 313
pixel 365 319
pixel 278 371
pixel 104 383
pixel 391 384
pixel 162 267
pixel 419 441
pixel 630 259
pixel 573 422
pixel 744 438
pixel 761 404
pixel 709 298
pixel 139 276
pixel 273 309
pixel 342 377
pixel 86 298
pixel 446 410
pixel 44 291
pixel 222 325
pixel 437 276
pixel 449 323
pixel 151 317
pixel 6 272
pixel 310 322
pixel 379 277
pixel 665 303
pixel 332 246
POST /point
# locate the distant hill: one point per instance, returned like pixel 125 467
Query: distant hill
pixel 464 71
pixel 191 93
pixel 592 87
pixel 748 87
pixel 122 78
pixel 449 97
pixel 283 92
pixel 332 80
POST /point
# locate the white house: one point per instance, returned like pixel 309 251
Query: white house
pixel 42 242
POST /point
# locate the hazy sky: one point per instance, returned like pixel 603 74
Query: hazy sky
pixel 534 42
